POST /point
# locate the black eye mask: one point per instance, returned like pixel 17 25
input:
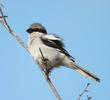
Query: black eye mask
pixel 30 30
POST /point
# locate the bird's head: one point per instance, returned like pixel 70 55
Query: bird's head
pixel 36 27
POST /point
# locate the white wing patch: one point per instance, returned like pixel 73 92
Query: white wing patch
pixel 53 37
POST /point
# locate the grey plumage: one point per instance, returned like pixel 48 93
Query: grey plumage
pixel 36 25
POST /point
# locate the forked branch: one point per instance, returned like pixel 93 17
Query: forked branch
pixel 84 91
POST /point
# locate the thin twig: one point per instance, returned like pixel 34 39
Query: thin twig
pixel 5 24
pixel 3 16
pixel 5 21
pixel 42 55
pixel 85 90
pixel 48 79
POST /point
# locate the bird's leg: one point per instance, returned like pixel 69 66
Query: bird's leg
pixel 48 71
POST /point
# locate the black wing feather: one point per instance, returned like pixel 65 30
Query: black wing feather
pixel 58 45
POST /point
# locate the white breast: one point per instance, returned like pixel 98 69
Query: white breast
pixel 53 55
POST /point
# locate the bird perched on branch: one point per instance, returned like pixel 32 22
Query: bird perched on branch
pixel 48 51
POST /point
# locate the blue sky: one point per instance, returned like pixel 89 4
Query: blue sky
pixel 85 27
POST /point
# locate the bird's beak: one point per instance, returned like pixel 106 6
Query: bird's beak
pixel 28 30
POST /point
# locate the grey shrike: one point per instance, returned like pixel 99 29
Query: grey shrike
pixel 52 49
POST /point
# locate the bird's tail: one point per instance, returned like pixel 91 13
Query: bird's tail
pixel 83 71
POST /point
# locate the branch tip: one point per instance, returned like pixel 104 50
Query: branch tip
pixel 84 91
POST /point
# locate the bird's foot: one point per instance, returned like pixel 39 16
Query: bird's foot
pixel 48 71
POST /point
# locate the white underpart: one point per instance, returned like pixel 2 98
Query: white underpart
pixel 53 55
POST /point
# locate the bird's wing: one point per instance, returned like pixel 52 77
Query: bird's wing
pixel 55 41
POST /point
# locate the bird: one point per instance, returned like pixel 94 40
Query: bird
pixel 48 51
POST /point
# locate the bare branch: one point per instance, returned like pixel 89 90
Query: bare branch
pixel 5 21
pixel 48 79
pixel 42 55
pixel 85 90
pixel 5 24
pixel 3 16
